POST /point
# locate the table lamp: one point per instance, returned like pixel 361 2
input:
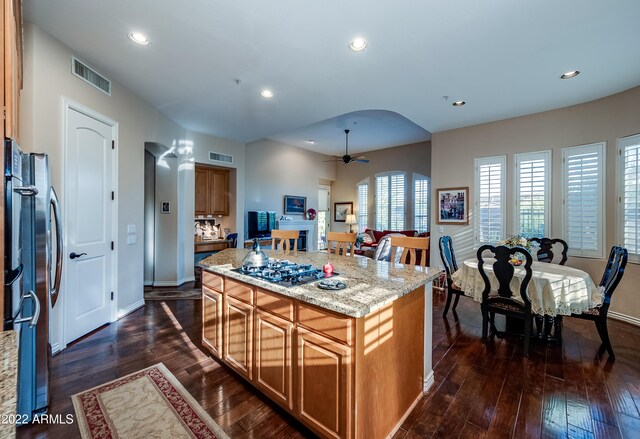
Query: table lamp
pixel 351 220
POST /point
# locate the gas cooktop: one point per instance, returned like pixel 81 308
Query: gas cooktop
pixel 286 273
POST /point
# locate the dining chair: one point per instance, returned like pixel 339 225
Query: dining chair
pixel 448 257
pixel 409 246
pixel 343 242
pixel 285 237
pixel 610 279
pixel 504 303
pixel 545 253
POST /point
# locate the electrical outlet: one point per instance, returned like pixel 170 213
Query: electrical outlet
pixel 131 228
pixel 131 239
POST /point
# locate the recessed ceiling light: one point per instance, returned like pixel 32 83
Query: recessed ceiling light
pixel 139 38
pixel 311 141
pixel 266 93
pixel 458 103
pixel 358 44
pixel 571 74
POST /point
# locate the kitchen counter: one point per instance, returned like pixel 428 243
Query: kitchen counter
pixel 8 380
pixel 370 284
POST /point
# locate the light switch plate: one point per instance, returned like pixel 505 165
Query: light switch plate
pixel 440 229
pixel 131 239
pixel 131 228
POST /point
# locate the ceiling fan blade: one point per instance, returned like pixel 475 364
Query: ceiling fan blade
pixel 361 157
pixel 334 160
pixel 360 160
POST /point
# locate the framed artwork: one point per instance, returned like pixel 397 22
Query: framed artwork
pixel 165 207
pixel 341 210
pixel 294 205
pixel 453 205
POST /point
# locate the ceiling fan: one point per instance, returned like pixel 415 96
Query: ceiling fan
pixel 346 158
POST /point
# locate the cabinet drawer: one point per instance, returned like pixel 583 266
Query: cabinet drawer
pixel 239 291
pixel 340 328
pixel 213 281
pixel 276 304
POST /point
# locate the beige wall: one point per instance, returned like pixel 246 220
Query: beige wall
pixel 413 158
pixel 47 79
pixel 603 120
pixel 275 169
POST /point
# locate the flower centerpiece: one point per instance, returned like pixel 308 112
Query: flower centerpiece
pixel 516 241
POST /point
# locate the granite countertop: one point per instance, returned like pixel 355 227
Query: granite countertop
pixel 210 241
pixel 370 284
pixel 8 380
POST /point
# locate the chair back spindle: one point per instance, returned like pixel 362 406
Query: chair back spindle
pixel 613 273
pixel 285 237
pixel 504 271
pixel 410 245
pixel 545 253
pixel 345 242
pixel 448 256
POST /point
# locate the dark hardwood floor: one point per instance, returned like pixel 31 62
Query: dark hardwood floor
pixel 480 391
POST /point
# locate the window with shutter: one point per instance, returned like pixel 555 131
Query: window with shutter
pixel 629 195
pixel 583 192
pixel 490 199
pixel 363 205
pixel 533 180
pixel 390 201
pixel 420 203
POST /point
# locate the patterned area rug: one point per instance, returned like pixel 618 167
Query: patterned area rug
pixel 150 403
pixel 168 294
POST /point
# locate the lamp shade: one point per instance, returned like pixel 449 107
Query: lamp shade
pixel 351 219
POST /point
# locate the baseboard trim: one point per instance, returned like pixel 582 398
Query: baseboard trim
pixel 624 318
pixel 148 283
pixel 188 279
pixel 173 283
pixel 129 309
pixel 428 382
pixel 55 348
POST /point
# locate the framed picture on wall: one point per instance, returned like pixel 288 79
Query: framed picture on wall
pixel 294 205
pixel 453 205
pixel 341 210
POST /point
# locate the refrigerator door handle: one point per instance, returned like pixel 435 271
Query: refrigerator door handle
pixel 26 190
pixel 36 310
pixel 55 288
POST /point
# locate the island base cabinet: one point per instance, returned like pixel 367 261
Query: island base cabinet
pixel 238 336
pixel 324 384
pixel 212 321
pixel 273 369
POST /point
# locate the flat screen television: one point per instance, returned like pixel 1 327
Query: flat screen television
pixel 261 223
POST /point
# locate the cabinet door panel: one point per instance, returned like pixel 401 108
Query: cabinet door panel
pixel 201 191
pixel 324 384
pixel 219 191
pixel 273 372
pixel 238 335
pixel 212 321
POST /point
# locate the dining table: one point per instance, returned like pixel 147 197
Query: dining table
pixel 554 290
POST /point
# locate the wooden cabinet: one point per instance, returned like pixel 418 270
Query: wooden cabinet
pixel 273 369
pixel 238 336
pixel 212 321
pixel 324 384
pixel 212 191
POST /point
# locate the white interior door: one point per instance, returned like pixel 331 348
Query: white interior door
pixel 89 277
pixel 324 194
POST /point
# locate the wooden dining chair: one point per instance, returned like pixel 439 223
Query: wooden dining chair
pixel 343 242
pixel 410 246
pixel 610 279
pixel 504 303
pixel 285 237
pixel 545 253
pixel 448 257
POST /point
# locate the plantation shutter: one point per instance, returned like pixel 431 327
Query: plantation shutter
pixel 397 195
pixel 421 203
pixel 532 194
pixel 583 172
pixel 630 194
pixel 363 206
pixel 382 202
pixel 490 199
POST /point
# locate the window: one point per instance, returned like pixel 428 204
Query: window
pixel 533 175
pixel 629 194
pixel 583 199
pixel 490 199
pixel 390 201
pixel 363 205
pixel 420 203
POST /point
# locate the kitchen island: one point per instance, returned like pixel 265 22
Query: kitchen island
pixel 349 363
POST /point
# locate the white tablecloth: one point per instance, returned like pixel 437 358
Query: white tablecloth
pixel 553 289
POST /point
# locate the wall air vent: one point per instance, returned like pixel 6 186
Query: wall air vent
pixel 217 157
pixel 90 76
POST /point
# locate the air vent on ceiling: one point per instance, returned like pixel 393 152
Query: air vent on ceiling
pixel 90 76
pixel 217 157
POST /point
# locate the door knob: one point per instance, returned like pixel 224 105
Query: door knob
pixel 76 255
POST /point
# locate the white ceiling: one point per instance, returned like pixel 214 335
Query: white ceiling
pixel 504 57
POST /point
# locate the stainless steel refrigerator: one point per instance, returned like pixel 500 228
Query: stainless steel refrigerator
pixel 32 280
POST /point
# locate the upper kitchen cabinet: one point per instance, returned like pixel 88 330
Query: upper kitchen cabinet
pixel 212 191
pixel 12 74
